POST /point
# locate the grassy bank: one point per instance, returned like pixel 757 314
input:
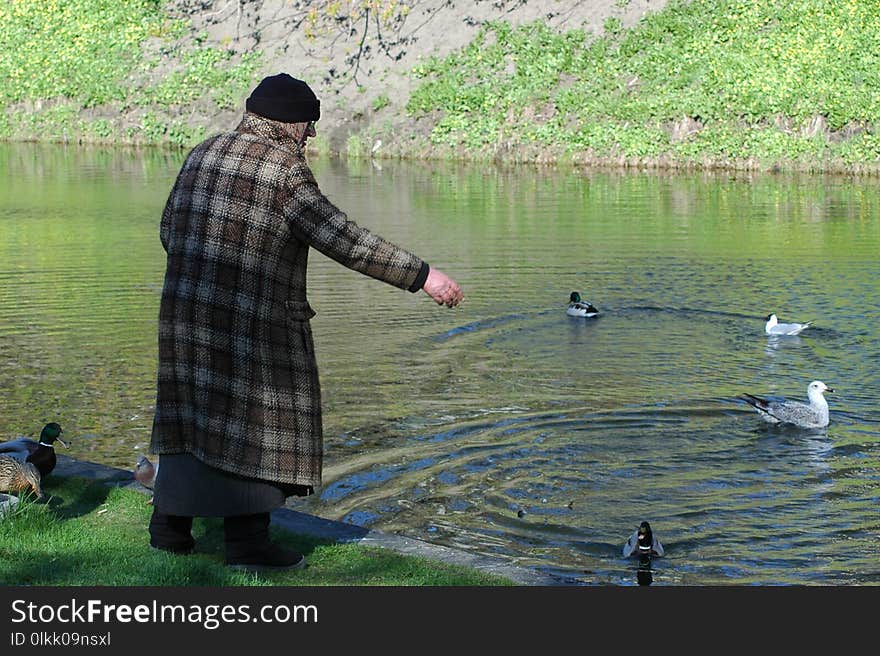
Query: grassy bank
pixel 85 533
pixel 110 71
pixel 794 84
pixel 706 83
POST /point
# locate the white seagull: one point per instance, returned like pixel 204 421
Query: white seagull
pixel 773 327
pixel 814 415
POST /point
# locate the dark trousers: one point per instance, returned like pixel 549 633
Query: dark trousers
pixel 244 534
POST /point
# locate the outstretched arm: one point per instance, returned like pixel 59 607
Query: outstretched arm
pixel 323 226
pixel 326 228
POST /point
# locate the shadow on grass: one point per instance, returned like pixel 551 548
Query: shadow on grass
pixel 209 537
pixel 69 503
pixel 90 567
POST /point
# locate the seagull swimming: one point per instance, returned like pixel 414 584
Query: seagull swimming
pixel 798 414
pixel 773 327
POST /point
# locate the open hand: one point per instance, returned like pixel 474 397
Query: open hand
pixel 443 289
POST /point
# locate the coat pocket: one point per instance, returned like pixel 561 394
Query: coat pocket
pixel 299 310
pixel 300 344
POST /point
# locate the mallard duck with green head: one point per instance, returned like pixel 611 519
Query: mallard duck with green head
pixel 17 476
pixel 578 307
pixel 41 454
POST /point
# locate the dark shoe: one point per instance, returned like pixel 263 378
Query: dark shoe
pixel 171 533
pixel 248 547
pixel 272 558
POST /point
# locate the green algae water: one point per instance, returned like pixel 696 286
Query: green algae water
pixel 504 426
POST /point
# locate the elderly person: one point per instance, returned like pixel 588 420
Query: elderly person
pixel 238 407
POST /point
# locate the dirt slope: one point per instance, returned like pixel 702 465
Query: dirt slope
pixel 353 64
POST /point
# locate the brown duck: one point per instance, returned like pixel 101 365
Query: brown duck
pixel 17 476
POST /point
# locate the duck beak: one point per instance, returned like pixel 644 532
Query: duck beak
pixel 65 444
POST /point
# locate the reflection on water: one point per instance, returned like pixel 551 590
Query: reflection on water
pixel 775 342
pixel 644 573
pixel 506 427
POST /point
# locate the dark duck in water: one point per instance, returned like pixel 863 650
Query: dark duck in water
pixel 578 307
pixel 642 543
pixel 41 454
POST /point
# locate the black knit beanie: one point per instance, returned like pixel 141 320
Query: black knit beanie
pixel 284 98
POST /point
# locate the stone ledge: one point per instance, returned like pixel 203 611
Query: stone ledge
pixel 8 502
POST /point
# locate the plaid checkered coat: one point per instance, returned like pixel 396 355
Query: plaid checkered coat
pixel 237 381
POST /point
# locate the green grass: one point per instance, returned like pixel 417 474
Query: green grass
pixel 754 75
pixel 116 60
pixel 86 533
pixel 76 49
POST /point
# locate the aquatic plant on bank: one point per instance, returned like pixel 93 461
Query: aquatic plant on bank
pixel 715 79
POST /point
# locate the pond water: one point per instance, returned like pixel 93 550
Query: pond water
pixel 505 427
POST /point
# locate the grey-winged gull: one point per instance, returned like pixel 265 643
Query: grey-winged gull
pixel 814 415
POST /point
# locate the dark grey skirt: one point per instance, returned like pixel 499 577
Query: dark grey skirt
pixel 187 486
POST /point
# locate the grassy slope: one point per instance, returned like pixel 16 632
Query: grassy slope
pixel 707 81
pixel 111 71
pixel 90 534
pixel 798 80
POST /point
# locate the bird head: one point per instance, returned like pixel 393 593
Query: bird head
pixel 574 298
pixel 818 387
pixel 50 433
